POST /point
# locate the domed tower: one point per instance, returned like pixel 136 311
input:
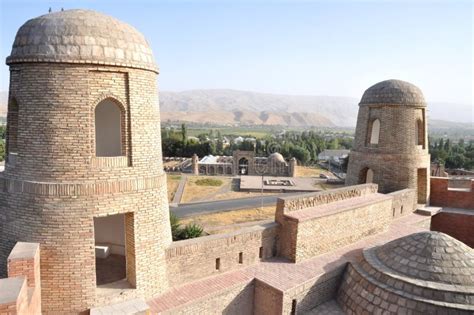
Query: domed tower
pixel 84 174
pixel 391 145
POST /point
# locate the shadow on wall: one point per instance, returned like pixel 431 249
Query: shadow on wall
pixel 326 287
pixel 243 303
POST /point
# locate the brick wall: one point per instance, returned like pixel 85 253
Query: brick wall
pixel 443 195
pixel 456 224
pixel 268 300
pixel 193 259
pixel 403 202
pixel 21 292
pixel 235 300
pixel 320 229
pixel 56 186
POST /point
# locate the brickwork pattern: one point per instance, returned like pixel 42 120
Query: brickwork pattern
pixel 23 285
pixel 322 229
pixel 54 187
pixel 396 158
pixel 194 259
pixel 427 272
pixel 442 195
pixel 458 225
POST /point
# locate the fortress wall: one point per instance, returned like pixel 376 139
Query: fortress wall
pixel 457 225
pixel 194 259
pixel 442 195
pixel 321 229
pixel 403 202
pixel 314 292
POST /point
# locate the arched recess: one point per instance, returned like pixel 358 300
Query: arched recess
pixel 420 133
pixel 12 126
pixel 109 128
pixel 366 176
pixel 243 166
pixel 375 132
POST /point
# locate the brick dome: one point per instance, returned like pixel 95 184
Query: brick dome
pixel 393 92
pixel 276 158
pixel 81 36
pixel 430 256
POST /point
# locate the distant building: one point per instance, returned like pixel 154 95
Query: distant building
pixel 335 155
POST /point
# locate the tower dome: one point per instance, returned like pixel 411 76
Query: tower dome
pixel 421 273
pixel 431 256
pixel 276 158
pixel 81 36
pixel 393 92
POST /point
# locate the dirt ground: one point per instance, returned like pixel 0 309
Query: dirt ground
pixel 172 183
pixel 313 171
pixel 228 190
pixel 222 219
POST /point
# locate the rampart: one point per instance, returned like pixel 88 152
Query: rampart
pixel 451 193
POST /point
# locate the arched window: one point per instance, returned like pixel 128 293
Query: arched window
pixel 419 133
pixel 109 119
pixel 375 132
pixel 12 126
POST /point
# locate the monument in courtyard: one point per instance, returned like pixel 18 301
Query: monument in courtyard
pixel 84 161
pixel 391 140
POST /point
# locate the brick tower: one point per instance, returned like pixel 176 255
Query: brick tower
pixel 84 168
pixel 391 145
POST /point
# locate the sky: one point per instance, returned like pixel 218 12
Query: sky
pixel 337 48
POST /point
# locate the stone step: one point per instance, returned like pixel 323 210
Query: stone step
pixel 428 210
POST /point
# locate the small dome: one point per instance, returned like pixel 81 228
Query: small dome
pixel 276 158
pixel 431 256
pixel 393 92
pixel 81 36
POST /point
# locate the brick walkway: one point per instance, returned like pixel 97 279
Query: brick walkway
pixel 284 275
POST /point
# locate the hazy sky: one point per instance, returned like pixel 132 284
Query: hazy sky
pixel 291 47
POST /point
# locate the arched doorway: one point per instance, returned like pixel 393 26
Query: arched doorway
pixel 243 166
pixel 366 176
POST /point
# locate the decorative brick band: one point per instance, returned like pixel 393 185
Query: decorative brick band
pixel 110 161
pixel 81 189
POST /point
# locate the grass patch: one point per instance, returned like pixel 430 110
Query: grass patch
pixel 209 182
pixel 174 177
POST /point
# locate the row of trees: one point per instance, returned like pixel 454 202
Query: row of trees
pixel 304 146
pixel 452 155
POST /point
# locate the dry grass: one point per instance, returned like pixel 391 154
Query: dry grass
pixel 313 171
pixel 172 182
pixel 193 192
pixel 218 219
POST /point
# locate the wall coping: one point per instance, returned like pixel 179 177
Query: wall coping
pixel 10 289
pixel 336 207
pixel 23 250
pixel 207 238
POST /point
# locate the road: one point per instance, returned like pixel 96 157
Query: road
pixel 188 209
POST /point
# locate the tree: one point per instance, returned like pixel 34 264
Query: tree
pixel 184 134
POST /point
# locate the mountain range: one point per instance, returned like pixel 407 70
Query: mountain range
pixel 234 107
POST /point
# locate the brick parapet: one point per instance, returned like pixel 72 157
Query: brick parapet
pixel 442 195
pixel 194 259
pixel 20 293
pixel 459 225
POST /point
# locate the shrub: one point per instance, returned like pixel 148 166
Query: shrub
pixel 191 231
pixel 208 182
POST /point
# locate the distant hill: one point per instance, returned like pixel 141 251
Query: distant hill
pixel 233 107
pixel 243 107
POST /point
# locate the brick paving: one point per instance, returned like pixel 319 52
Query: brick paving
pixel 282 274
